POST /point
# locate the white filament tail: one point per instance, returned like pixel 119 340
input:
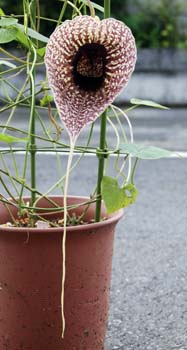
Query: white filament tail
pixel 70 158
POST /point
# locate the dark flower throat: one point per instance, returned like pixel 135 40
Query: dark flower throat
pixel 89 66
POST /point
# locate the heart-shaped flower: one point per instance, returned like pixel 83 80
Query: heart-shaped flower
pixel 88 63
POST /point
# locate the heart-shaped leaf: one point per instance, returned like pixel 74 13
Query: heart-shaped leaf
pixel 145 152
pixel 138 101
pixel 32 33
pixel 6 22
pixel 10 139
pixel 7 35
pixel 22 38
pixel 116 197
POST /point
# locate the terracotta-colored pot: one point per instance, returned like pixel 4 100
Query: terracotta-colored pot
pixel 30 284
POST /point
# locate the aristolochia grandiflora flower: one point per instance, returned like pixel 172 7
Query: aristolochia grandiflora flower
pixel 88 63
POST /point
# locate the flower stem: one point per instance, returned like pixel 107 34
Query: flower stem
pixel 106 8
pixel 33 149
pixel 101 164
pixel 102 143
pixel 33 101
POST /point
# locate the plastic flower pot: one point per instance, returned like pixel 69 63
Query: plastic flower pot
pixel 30 283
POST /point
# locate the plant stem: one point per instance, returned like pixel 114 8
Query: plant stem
pixel 62 13
pixel 32 114
pixel 33 150
pixel 106 8
pixel 133 171
pixel 12 56
pixel 101 164
pixel 103 123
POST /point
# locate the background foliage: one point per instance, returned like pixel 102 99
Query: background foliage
pixel 161 23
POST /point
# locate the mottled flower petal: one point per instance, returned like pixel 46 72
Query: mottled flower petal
pixel 88 63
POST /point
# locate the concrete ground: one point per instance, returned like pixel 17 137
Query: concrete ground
pixel 149 280
pixel 149 286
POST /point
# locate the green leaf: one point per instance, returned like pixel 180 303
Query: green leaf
pixel 137 101
pixel 6 22
pixel 7 35
pixel 2 12
pixel 21 36
pixel 46 100
pixel 22 39
pixel 7 63
pixel 41 51
pixel 144 152
pixel 32 33
pixel 9 139
pixel 116 197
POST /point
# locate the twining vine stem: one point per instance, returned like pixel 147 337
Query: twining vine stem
pixel 103 124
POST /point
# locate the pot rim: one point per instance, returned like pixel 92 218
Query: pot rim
pixel 111 219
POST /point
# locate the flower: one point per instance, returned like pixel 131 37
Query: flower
pixel 88 63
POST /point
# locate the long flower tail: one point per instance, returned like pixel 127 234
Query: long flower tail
pixel 70 158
